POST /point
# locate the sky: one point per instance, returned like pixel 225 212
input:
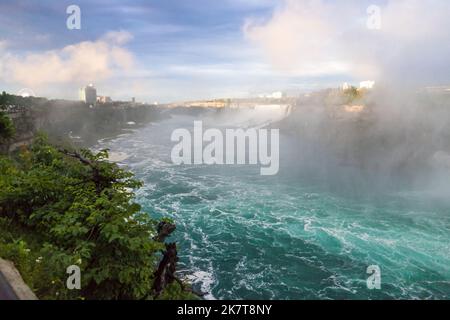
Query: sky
pixel 178 50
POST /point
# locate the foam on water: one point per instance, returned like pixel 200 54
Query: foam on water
pixel 243 236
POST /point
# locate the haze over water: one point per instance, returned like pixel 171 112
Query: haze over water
pixel 302 234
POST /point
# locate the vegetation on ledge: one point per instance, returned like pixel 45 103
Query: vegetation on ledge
pixel 62 207
pixel 6 127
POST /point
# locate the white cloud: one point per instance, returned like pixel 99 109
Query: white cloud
pixel 88 61
pixel 117 37
pixel 297 38
pixel 316 37
pixel 3 45
pixel 3 55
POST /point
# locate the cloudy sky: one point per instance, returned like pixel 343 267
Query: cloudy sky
pixel 172 50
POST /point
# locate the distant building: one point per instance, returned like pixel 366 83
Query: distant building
pixel 367 84
pixel 133 100
pixel 88 94
pixel 219 103
pixel 274 95
pixel 438 89
pixel 346 86
pixel 104 99
pixel 278 95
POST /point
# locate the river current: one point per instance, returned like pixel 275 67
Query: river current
pixel 289 236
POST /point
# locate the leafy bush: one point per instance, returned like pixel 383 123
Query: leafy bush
pixel 72 208
pixel 6 126
pixel 353 95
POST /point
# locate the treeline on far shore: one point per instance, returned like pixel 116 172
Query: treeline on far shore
pixel 74 121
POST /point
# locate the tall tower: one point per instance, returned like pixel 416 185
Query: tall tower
pixel 88 94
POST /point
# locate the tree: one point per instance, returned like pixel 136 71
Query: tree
pixel 6 126
pixel 79 208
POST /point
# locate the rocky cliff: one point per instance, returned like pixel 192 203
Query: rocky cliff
pixel 71 121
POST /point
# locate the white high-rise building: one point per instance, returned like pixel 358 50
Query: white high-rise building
pixel 278 95
pixel 367 84
pixel 273 95
pixel 88 94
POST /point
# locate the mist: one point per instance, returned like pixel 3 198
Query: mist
pixel 401 135
pixel 407 47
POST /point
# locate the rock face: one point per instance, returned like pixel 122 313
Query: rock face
pixel 12 286
pixel 72 120
pixel 25 128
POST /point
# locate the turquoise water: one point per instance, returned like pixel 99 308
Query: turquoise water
pixel 244 236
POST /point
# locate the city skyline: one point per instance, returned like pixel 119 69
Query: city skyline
pixel 177 51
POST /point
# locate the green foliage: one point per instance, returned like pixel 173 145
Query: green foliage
pixel 35 260
pixel 6 126
pixel 9 99
pixel 353 94
pixel 175 292
pixel 3 100
pixel 69 208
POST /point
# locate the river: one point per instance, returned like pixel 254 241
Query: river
pixel 290 236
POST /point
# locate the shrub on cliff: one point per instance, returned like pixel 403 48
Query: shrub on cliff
pixel 69 208
pixel 6 126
